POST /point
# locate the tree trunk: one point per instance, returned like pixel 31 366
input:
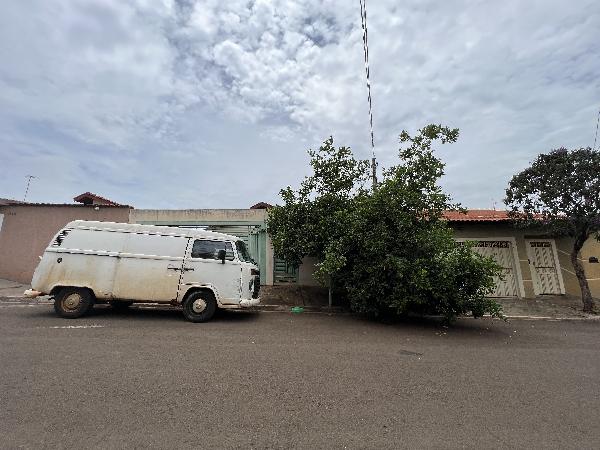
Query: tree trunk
pixel 586 295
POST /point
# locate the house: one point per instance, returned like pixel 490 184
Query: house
pixel 533 262
pixel 26 228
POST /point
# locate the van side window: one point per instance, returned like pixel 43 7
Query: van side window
pixel 60 237
pixel 210 249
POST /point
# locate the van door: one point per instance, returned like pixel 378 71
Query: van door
pixel 149 267
pixel 204 268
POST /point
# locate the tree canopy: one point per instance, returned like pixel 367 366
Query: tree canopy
pixel 561 192
pixel 387 250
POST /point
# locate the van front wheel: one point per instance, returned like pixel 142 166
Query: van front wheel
pixel 72 303
pixel 199 306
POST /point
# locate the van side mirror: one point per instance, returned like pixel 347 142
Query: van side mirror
pixel 222 254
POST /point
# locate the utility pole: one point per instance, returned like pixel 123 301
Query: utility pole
pixel 29 177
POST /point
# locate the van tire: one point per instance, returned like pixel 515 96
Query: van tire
pixel 199 306
pixel 72 303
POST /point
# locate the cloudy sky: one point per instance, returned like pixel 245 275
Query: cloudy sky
pixel 212 104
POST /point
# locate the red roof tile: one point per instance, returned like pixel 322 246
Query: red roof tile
pixel 261 205
pixel 90 198
pixel 477 215
pixel 9 202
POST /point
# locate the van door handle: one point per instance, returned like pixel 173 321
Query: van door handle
pixel 188 269
pixel 170 267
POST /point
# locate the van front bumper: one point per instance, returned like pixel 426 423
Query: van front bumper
pixel 31 293
pixel 248 302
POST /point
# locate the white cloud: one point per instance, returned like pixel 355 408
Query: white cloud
pixel 127 97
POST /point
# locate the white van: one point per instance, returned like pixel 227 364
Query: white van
pixel 122 263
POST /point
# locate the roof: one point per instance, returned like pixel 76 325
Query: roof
pixel 477 215
pixel 71 205
pixel 261 205
pixel 89 198
pixel 85 200
pixel 9 201
pixel 149 229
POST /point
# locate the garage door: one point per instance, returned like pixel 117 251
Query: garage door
pixel 502 253
pixel 543 262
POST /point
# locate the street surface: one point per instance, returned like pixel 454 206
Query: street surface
pixel 147 378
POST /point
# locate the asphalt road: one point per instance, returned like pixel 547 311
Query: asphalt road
pixel 147 378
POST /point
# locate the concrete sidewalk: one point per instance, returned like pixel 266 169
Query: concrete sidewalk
pixel 283 297
pixel 11 289
pixel 546 306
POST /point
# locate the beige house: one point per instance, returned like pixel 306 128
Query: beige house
pixel 534 263
pixel 26 228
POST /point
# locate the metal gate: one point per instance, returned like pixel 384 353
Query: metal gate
pixel 283 272
pixel 502 253
pixel 543 264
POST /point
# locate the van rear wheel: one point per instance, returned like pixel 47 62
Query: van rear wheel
pixel 199 306
pixel 72 303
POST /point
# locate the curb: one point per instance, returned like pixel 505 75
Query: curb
pixel 333 310
pixel 338 310
pixel 307 309
pixel 590 317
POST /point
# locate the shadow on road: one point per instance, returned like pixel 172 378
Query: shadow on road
pixel 463 326
pixel 145 313
pixel 157 312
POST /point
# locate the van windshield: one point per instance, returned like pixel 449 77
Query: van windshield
pixel 243 251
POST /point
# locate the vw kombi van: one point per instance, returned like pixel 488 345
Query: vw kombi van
pixel 119 263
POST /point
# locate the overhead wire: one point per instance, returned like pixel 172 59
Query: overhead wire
pixel 363 19
pixel 596 136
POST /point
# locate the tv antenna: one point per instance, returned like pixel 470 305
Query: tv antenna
pixel 29 177
pixel 363 19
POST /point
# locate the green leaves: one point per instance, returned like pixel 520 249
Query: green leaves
pixel 561 190
pixel 388 251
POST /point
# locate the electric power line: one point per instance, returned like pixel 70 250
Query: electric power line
pixel 596 136
pixel 29 177
pixel 363 19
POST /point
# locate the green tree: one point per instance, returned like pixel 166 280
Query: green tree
pixel 561 192
pixel 387 250
pixel 313 219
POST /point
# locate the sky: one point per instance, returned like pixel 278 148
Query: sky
pixel 213 104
